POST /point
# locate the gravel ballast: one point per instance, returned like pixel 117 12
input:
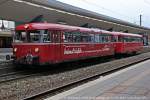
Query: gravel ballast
pixel 23 88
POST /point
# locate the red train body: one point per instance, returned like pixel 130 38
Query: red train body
pixel 44 43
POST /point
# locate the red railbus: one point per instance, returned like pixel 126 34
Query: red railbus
pixel 46 43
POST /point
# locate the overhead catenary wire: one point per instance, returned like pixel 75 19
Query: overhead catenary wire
pixel 104 8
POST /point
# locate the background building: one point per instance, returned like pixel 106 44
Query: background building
pixel 5 33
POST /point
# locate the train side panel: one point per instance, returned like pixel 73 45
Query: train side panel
pixel 128 47
pixel 79 51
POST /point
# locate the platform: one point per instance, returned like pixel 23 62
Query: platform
pixel 4 52
pixel 132 83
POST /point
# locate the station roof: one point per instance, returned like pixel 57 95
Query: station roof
pixel 55 12
pixel 69 8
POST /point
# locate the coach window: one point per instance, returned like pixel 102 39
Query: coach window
pixel 108 38
pixel 113 38
pixel 57 36
pixel 47 36
pixel 91 38
pixel 100 39
pixel 120 38
pixel 84 37
pixel 76 37
pixel 65 37
pixel 139 39
pixel 133 39
pixel 68 37
pixel 97 38
pixel 105 38
pixel 125 39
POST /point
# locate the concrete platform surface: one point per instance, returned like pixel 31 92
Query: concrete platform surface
pixel 132 83
pixel 4 52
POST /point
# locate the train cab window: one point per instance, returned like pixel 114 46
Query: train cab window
pixel 36 36
pixel 30 36
pixel 19 36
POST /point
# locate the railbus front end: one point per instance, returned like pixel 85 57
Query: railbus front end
pixel 36 47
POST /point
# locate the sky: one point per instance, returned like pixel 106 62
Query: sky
pixel 127 10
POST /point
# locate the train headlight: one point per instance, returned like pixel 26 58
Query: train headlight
pixel 36 50
pixel 15 49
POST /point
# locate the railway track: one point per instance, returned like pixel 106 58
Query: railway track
pixel 9 72
pixel 34 85
pixel 81 81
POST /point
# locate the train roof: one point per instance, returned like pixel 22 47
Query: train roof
pixel 127 34
pixel 51 26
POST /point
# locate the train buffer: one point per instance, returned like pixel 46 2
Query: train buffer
pixel 132 83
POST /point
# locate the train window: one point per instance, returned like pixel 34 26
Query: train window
pixel 19 36
pixel 100 39
pixel 105 38
pixel 67 37
pixel 97 40
pixel 132 39
pixel 47 36
pixel 137 39
pixel 120 39
pixel 35 36
pixel 56 36
pixel 76 37
pixel 125 39
pixel 84 37
pixel 73 37
pixel 108 38
pixel 113 38
pixel 91 38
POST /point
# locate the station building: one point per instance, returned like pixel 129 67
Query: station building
pixel 5 33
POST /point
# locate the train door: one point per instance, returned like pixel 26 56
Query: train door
pixel 57 45
pixel 120 44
